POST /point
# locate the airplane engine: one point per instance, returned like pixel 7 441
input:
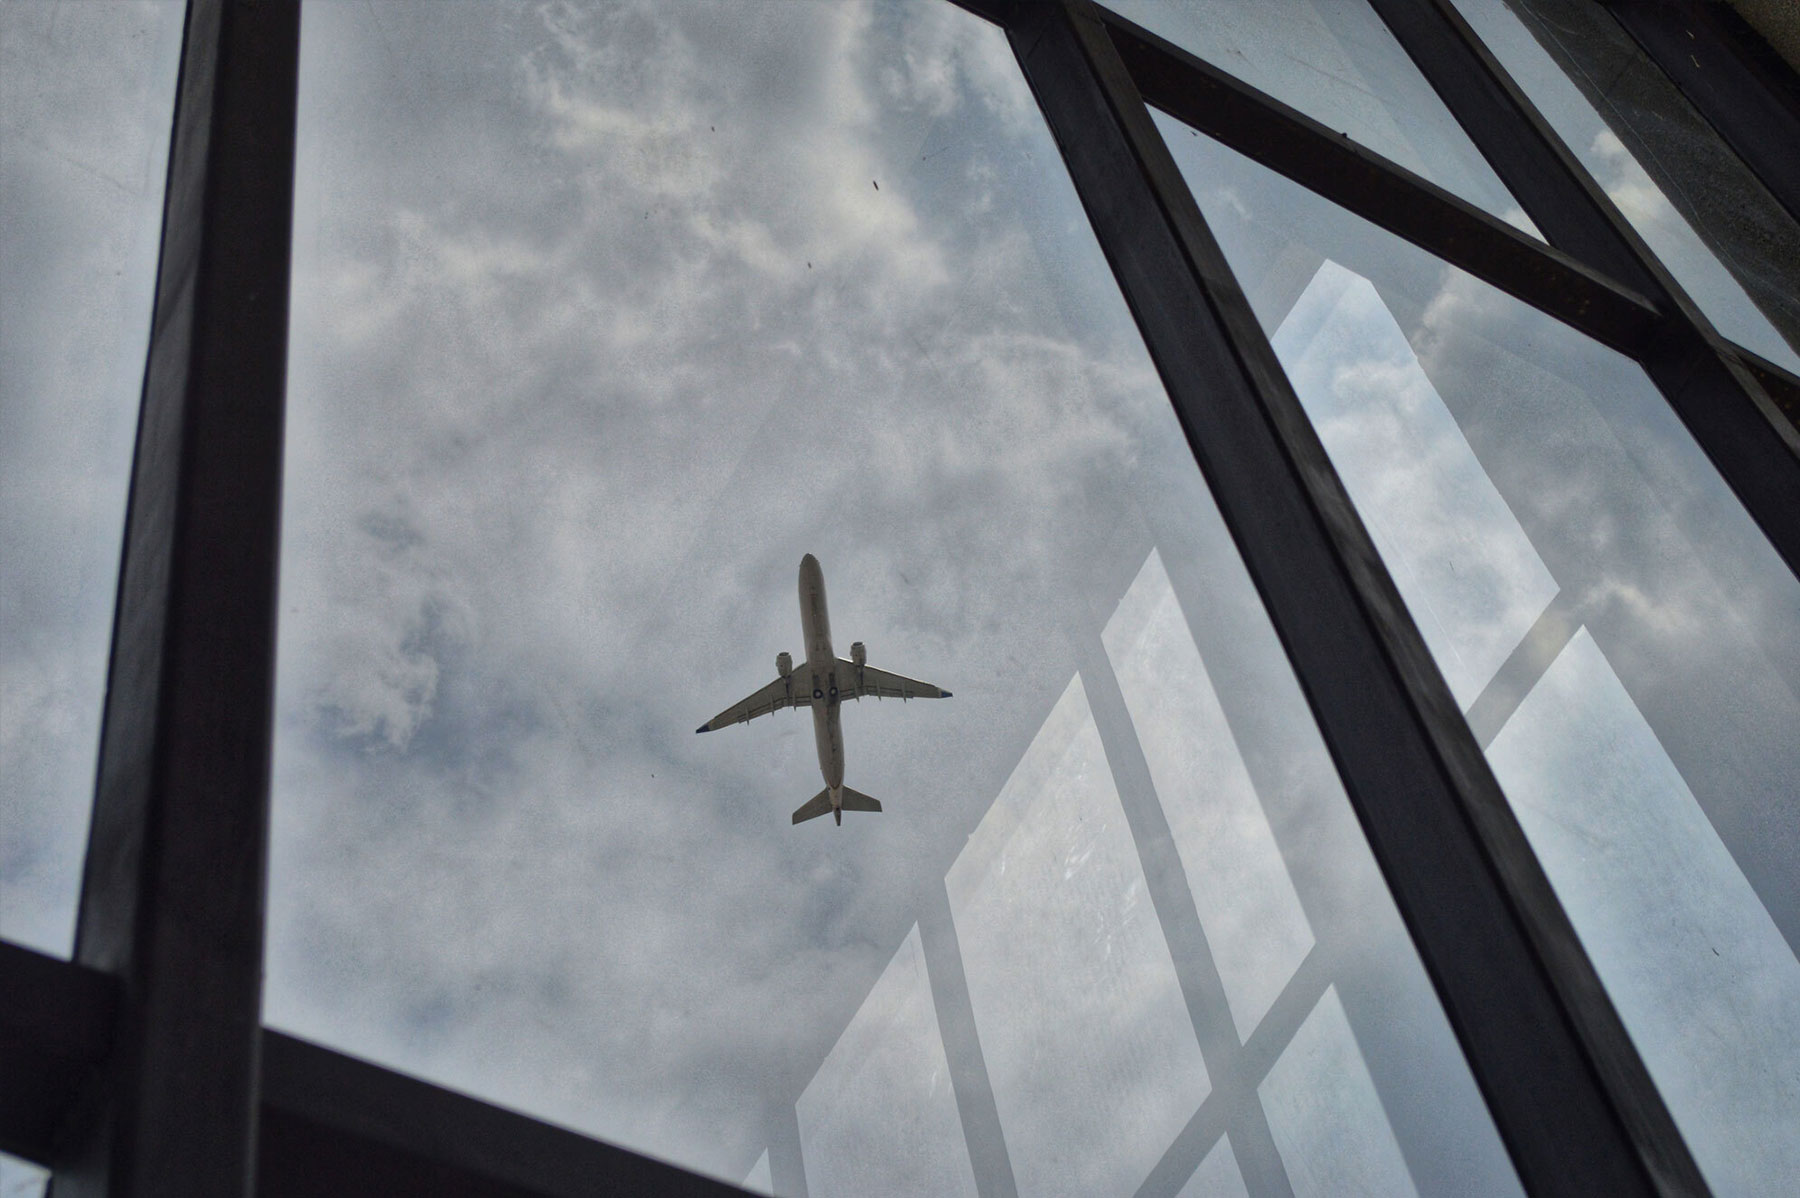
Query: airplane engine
pixel 784 664
pixel 858 654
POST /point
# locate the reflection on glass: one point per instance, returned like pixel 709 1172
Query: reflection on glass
pixel 879 1116
pixel 1526 485
pixel 1336 62
pixel 757 1181
pixel 1326 1115
pixel 601 322
pixel 1088 1042
pixel 1697 967
pixel 1749 238
pixel 1259 934
pixel 1463 561
pixel 1217 1176
pixel 86 95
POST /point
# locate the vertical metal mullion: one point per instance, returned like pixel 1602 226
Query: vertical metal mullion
pixel 172 896
pixel 1567 1091
pixel 1751 442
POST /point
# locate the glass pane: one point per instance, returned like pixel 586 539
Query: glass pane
pixel 1659 161
pixel 604 321
pixel 22 1179
pixel 1623 640
pixel 1336 62
pixel 87 91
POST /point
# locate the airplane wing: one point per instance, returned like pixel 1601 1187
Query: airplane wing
pixel 773 697
pixel 867 681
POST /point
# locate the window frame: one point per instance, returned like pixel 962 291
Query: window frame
pixel 158 1003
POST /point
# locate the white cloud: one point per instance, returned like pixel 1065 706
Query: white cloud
pixel 567 403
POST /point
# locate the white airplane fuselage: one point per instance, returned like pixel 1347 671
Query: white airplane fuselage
pixel 822 681
pixel 820 674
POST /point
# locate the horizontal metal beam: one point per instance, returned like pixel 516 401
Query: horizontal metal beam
pixel 330 1124
pixel 1265 130
pixel 1567 1091
pixel 336 1125
pixel 56 1029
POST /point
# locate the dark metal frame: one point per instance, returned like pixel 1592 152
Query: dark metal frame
pixel 163 998
pixel 1753 103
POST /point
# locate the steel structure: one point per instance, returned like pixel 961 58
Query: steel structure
pixel 140 1068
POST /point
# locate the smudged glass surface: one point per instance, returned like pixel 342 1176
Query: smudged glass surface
pixel 1625 643
pixel 1335 61
pixel 603 317
pixel 86 96
pixel 1729 244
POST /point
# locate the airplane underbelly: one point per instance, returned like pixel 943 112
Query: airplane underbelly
pixel 828 734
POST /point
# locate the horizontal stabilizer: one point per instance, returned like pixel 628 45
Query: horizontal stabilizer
pixel 814 807
pixel 856 800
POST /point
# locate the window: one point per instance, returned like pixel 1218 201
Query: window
pixel 1366 585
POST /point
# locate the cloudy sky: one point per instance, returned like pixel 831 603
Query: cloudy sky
pixel 85 96
pixel 604 316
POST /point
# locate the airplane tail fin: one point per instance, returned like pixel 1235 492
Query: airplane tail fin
pixel 856 800
pixel 814 807
pixel 819 804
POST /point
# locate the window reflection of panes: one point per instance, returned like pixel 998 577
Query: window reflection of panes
pixel 758 1181
pixel 1527 486
pixel 86 96
pixel 1093 1058
pixel 1750 246
pixel 601 320
pixel 1336 62
pixel 880 1114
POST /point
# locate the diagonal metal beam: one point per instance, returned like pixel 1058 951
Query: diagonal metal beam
pixel 1285 140
pixel 172 893
pixel 1734 419
pixel 1738 95
pixel 1567 1091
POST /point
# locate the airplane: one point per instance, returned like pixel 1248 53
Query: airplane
pixel 822 682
